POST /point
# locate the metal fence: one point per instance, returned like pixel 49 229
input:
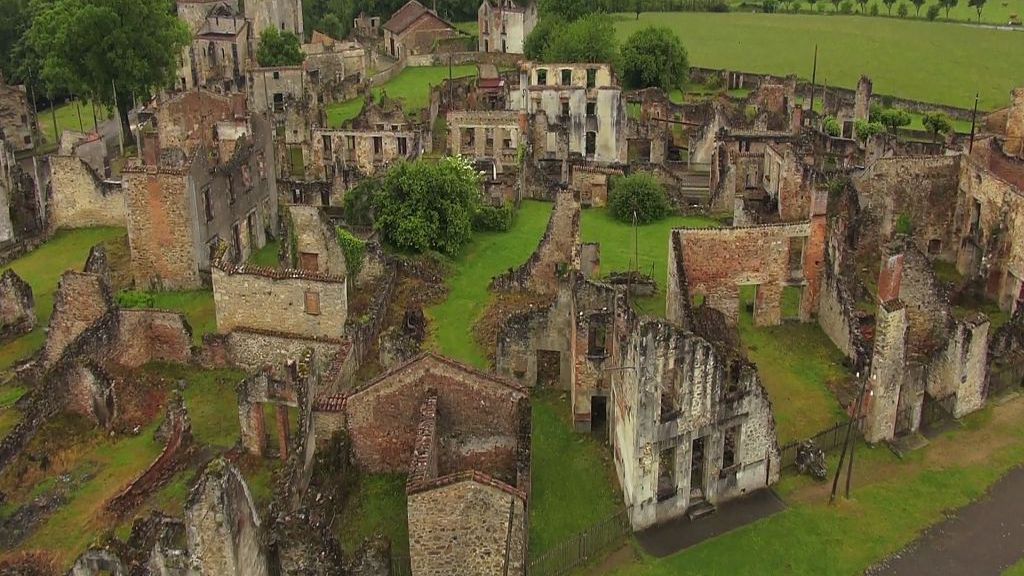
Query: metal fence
pixel 583 547
pixel 826 440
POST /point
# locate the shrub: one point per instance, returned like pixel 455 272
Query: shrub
pixel 864 129
pixel 640 193
pixel 135 299
pixel 357 205
pixel 354 250
pixel 933 12
pixel 846 7
pixel 903 225
pixel 831 126
pixel 873 10
pixel 750 112
pixel 493 218
pixel 714 82
pixel 902 10
pixel 821 8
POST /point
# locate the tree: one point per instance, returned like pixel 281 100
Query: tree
pixel 113 51
pixel 937 123
pixel 978 6
pixel 639 194
pixel 538 40
pixel 279 49
pixel 888 6
pixel 14 21
pixel 933 12
pixel 948 5
pixel 331 25
pixel 894 118
pixel 426 205
pixel 917 6
pixel 812 3
pixel 902 11
pixel 864 129
pixel 831 126
pixel 568 10
pixel 835 5
pixel 862 4
pixel 654 56
pixel 589 39
pixel 638 7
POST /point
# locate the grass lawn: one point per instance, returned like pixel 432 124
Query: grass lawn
pixel 486 256
pixel 196 305
pixel 377 505
pixel 993 13
pixel 795 361
pixel 412 85
pixel 893 501
pixel 928 61
pixel 42 269
pixel 211 401
pixel 573 477
pixel 67 119
pixel 266 256
pixel 617 254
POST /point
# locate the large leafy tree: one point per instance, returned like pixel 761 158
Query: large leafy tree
pixel 568 10
pixel 654 56
pixel 426 205
pixel 14 21
pixel 639 195
pixel 589 39
pixel 978 6
pixel 110 51
pixel 539 39
pixel 279 49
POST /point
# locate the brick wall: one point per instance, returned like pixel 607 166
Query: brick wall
pixel 80 198
pixel 477 420
pixel 279 301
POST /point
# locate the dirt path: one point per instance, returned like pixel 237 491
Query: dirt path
pixel 981 539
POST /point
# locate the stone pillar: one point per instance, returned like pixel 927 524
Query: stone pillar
pixel 887 367
pixel 972 347
pixel 862 100
pixel 283 432
pixel 250 419
pixel 1014 143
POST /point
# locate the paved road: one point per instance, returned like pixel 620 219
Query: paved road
pixel 981 539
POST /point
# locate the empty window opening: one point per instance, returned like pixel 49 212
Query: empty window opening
pixel 403 146
pixel 669 409
pixel 697 470
pixel 565 109
pixel 378 145
pixel 591 109
pixel 542 77
pixel 591 143
pixel 599 415
pixel 934 246
pixel 796 257
pixel 591 77
pixel 596 339
pixel 566 77
pixel 208 204
pixel 667 485
pixel 730 446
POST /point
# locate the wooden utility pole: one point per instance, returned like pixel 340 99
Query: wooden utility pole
pixel 974 118
pixel 78 107
pixel 120 127
pixel 814 75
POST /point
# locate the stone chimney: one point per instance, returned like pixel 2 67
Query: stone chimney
pixel 150 147
pixel 890 277
pixel 862 99
pixel 1014 143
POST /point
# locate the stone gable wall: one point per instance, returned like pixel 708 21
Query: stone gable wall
pixel 160 223
pixel 81 300
pixel 80 198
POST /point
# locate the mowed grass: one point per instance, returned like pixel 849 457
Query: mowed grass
pixel 266 256
pixel 795 362
pixel 573 485
pixel 617 248
pixel 892 502
pixel 486 256
pixel 377 506
pixel 67 119
pixel 42 268
pixel 412 86
pixel 944 63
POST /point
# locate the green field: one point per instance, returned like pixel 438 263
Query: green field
pixel 486 256
pixel 994 13
pixel 412 86
pixel 67 119
pixel 617 248
pixel 944 63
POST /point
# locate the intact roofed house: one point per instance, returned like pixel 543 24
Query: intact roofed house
pixel 413 30
pixel 504 25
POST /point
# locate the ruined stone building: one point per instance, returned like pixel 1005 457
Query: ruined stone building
pixel 83 192
pixel 218 56
pixel 493 136
pixel 206 176
pixel 284 15
pixel 380 135
pixel 329 60
pixel 576 110
pixel 463 437
pixel 17 118
pixel 688 420
pixel 414 29
pixel 17 306
pixel 504 25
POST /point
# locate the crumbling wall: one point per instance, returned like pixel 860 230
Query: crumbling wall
pixel 298 302
pixel 145 336
pixel 556 255
pixel 316 242
pixel 223 528
pixel 526 335
pixel 80 198
pixel 487 519
pixel 17 306
pixel 962 366
pixel 254 350
pixel 81 300
pixel 888 365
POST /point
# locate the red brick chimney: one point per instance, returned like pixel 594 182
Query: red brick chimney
pixel 150 147
pixel 890 277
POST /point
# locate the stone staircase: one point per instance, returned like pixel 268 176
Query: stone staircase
pixel 700 509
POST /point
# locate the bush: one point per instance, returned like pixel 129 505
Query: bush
pixel 873 10
pixel 903 225
pixel 831 126
pixel 902 10
pixel 714 82
pixel 750 112
pixel 864 129
pixel 135 299
pixel 493 218
pixel 640 193
pixel 846 7
pixel 357 205
pixel 933 12
pixel 354 250
pixel 821 8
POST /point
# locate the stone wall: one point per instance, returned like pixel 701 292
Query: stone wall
pixel 223 528
pixel 888 365
pixel 527 335
pixel 555 256
pixel 487 521
pixel 17 306
pixel 283 15
pixel 80 198
pixel 254 350
pixel 81 300
pixel 17 120
pixel 145 336
pixel 296 302
pixel 476 412
pixel 717 262
pixel 316 242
